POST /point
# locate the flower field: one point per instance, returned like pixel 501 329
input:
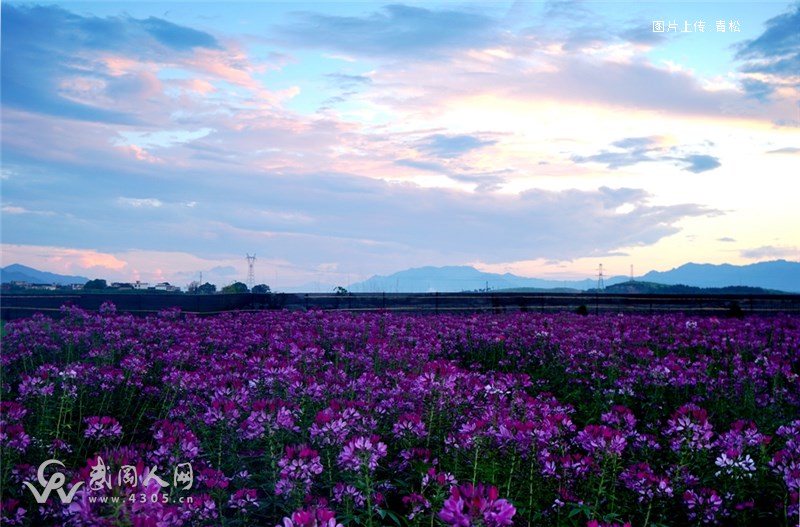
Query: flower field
pixel 326 419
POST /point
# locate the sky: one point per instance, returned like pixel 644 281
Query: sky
pixel 166 141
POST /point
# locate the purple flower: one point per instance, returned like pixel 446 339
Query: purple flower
pixel 689 427
pixel 35 386
pixel 595 523
pixel 320 517
pixel 298 468
pixel 102 427
pixel 443 480
pixel 641 480
pixel 468 505
pixel 243 499
pixel 621 418
pixel 417 503
pixel 343 492
pixel 203 508
pixel 786 461
pixel 266 418
pixel 741 435
pixel 176 443
pixel 14 437
pixel 601 440
pixel 734 464
pixel 702 505
pixel 11 513
pixel 409 425
pixel 11 412
pixel 362 453
pixel 212 478
pixel 107 308
pixel 221 410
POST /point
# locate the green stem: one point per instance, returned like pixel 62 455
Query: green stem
pixel 600 489
pixel 530 491
pixel 60 415
pixel 510 474
pixel 368 489
pixel 475 466
pixel 219 451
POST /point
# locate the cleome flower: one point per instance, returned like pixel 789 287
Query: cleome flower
pixel 297 470
pixel 243 499
pixel 641 479
pixel 320 517
pixel 689 427
pixel 702 505
pixel 362 453
pixel 102 427
pixel 602 440
pixel 469 505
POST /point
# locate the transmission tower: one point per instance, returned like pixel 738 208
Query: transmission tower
pixel 251 276
pixel 600 282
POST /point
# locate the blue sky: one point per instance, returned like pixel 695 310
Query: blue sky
pixel 336 140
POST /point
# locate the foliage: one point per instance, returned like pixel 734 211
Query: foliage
pixel 206 288
pixel 261 288
pixel 95 285
pixel 236 287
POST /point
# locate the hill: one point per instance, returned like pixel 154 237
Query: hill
pixel 23 273
pixel 647 288
pixel 778 275
pixel 464 278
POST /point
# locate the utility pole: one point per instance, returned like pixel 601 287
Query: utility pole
pixel 251 276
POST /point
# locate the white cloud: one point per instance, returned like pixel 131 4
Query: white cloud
pixel 140 202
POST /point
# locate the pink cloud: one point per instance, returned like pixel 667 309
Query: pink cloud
pixel 140 153
pixel 61 260
pixel 233 67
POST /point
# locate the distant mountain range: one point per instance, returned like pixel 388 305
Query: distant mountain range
pixel 778 275
pixel 23 273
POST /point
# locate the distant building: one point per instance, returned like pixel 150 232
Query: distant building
pixel 21 285
pixel 166 286
pixel 43 287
